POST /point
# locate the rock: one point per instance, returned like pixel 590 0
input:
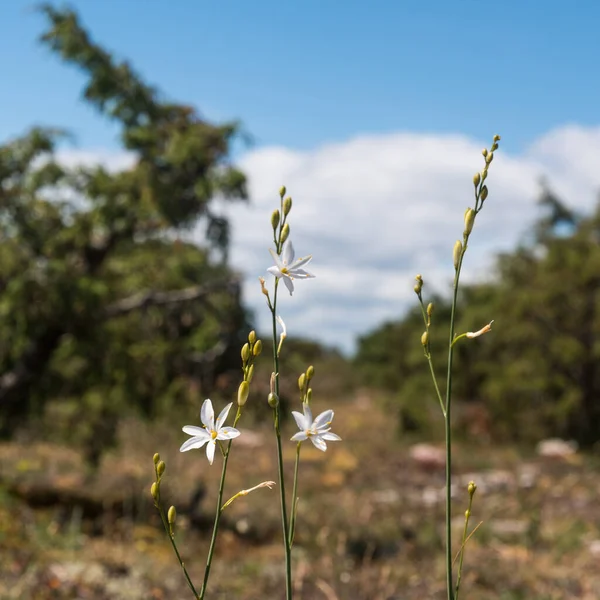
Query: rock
pixel 427 456
pixel 556 448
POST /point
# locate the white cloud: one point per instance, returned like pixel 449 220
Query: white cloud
pixel 376 210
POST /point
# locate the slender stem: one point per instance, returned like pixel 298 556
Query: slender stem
pixel 448 434
pixel 213 539
pixel 277 421
pixel 462 549
pixel 294 498
pixel 161 512
pixel 430 360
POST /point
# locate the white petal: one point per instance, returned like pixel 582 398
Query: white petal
pixel 227 433
pixel 300 420
pixel 289 285
pixel 280 321
pixel 308 416
pixel 287 254
pixel 332 437
pixel 324 419
pixel 276 258
pixel 197 431
pixel 275 271
pixel 301 262
pixel 318 442
pixel 195 442
pixel 210 451
pixel 222 416
pixel 299 437
pixel 207 414
pixel 301 274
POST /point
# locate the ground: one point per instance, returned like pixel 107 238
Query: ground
pixel 370 520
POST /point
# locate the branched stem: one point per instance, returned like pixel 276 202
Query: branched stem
pixel 213 539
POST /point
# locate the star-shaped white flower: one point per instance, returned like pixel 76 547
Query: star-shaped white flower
pixel 286 268
pixel 210 432
pixel 316 431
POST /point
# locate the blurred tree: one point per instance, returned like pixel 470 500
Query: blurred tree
pixel 101 302
pixel 538 372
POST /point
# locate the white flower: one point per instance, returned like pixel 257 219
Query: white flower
pixel 286 268
pixel 316 431
pixel 210 432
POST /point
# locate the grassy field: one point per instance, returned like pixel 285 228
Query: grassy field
pixel 370 524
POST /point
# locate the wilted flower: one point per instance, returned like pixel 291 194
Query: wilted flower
pixel 316 431
pixel 286 268
pixel 210 432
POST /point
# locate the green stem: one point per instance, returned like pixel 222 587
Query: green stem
pixel 213 539
pixel 430 360
pixel 294 498
pixel 277 421
pixel 448 433
pixel 462 549
pixel 165 523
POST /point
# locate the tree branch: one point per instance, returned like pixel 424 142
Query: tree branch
pixel 160 298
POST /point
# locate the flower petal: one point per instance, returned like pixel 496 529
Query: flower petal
pixel 275 271
pixel 210 451
pixel 308 416
pixel 207 414
pixel 276 258
pixel 300 420
pixel 299 437
pixel 332 437
pixel 227 433
pixel 300 274
pixel 318 442
pixel 197 431
pixel 287 255
pixel 194 442
pixel 301 262
pixel 222 416
pixel 289 285
pixel 280 321
pixel 324 419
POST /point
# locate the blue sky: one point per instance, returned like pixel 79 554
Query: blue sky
pixel 373 114
pixel 304 73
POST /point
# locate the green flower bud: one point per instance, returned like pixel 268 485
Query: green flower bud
pixel 476 179
pixel 425 338
pixel 287 206
pixel 285 232
pixel 252 337
pixel 430 309
pixel 308 395
pixel 484 152
pixel 154 490
pixel 273 400
pixel 172 515
pixel 310 372
pixel 160 467
pixel 245 353
pixel 489 158
pixel 469 220
pixel 243 392
pixel 275 216
pixel 257 348
pixel 484 193
pixel 282 191
pixel 456 253
pixel 497 138
pixel 156 458
pixel 417 289
pixel 302 381
pixel 484 174
pixel 472 488
pixel 250 374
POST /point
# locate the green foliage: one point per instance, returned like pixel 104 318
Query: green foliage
pixel 103 308
pixel 537 373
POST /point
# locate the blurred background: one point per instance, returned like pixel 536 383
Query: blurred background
pixel 142 148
